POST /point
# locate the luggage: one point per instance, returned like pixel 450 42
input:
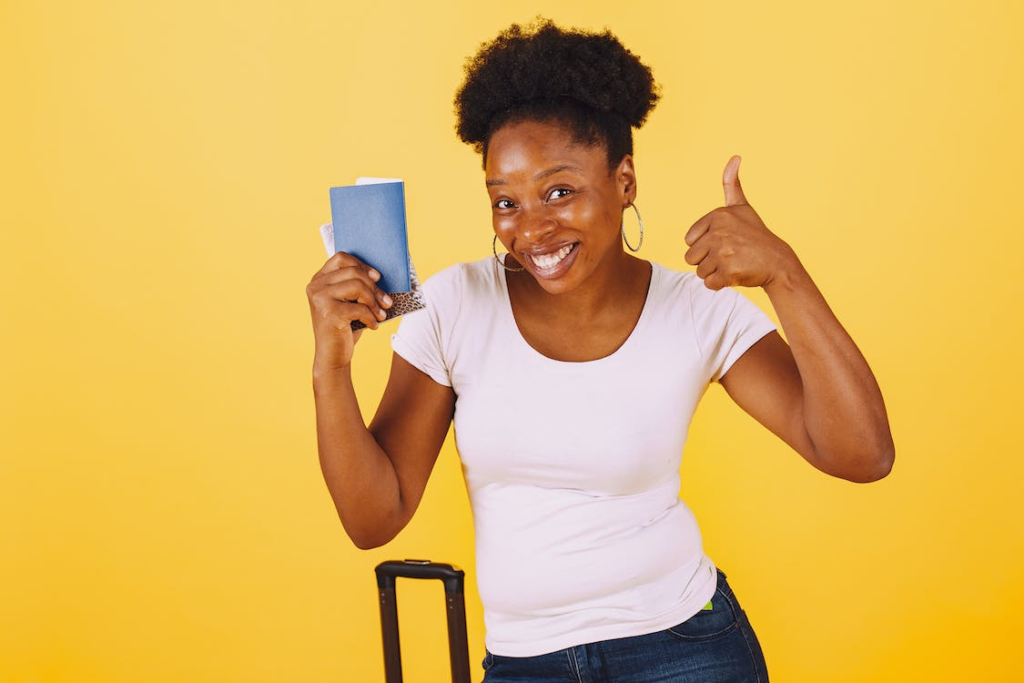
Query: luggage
pixel 452 578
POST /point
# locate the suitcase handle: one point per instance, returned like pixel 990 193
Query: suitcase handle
pixel 453 580
pixel 451 576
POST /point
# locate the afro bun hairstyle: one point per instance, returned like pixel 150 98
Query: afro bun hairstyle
pixel 588 82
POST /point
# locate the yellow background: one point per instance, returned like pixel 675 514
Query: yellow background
pixel 165 168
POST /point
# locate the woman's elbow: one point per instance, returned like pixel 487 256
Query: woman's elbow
pixel 368 540
pixel 875 468
pixel 367 533
pixel 366 544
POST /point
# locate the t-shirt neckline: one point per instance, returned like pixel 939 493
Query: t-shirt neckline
pixel 623 349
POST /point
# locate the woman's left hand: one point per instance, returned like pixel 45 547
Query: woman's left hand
pixel 732 246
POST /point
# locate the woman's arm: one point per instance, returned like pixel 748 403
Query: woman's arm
pixel 376 475
pixel 820 397
pixel 817 393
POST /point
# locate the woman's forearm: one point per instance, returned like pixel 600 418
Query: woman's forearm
pixel 844 413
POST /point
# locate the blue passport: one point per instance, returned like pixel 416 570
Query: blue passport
pixel 369 223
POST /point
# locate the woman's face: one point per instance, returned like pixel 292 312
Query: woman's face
pixel 555 206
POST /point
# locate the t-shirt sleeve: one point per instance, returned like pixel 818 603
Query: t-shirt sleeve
pixel 420 338
pixel 726 325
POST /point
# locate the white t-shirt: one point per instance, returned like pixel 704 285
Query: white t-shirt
pixel 573 468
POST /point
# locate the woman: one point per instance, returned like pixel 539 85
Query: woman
pixel 577 368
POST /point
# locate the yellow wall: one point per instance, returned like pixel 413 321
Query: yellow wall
pixel 165 167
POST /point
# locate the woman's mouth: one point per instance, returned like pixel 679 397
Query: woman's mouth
pixel 553 263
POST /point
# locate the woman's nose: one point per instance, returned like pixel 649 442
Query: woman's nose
pixel 536 225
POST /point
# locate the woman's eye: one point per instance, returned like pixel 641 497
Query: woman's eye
pixel 504 204
pixel 560 192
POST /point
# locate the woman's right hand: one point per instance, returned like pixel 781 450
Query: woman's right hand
pixel 342 291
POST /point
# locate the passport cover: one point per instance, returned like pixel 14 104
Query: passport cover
pixel 369 223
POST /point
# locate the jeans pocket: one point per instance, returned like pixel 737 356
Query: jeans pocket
pixel 706 624
pixel 488 660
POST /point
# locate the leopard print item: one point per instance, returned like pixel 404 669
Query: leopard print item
pixel 404 302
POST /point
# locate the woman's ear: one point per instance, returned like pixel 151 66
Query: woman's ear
pixel 625 178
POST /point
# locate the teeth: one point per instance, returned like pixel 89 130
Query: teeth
pixel 549 261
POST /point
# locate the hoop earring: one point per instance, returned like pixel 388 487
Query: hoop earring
pixel 494 250
pixel 622 228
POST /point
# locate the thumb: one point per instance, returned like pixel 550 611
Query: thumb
pixel 731 183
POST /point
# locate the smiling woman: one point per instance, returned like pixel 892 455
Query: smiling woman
pixel 554 199
pixel 572 375
pixel 558 210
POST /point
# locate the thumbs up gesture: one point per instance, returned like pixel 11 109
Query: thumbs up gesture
pixel 732 246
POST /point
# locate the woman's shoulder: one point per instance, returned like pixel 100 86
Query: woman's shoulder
pixel 677 282
pixel 670 281
pixel 684 294
pixel 463 278
pixel 462 287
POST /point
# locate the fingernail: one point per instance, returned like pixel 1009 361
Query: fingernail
pixel 374 275
pixel 381 314
pixel 387 300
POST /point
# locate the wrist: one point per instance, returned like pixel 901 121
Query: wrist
pixel 789 276
pixel 326 371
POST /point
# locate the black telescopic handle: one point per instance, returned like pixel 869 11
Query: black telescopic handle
pixel 452 577
pixel 453 580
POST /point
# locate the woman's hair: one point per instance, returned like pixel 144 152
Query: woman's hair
pixel 588 82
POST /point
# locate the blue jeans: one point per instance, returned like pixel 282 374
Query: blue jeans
pixel 713 646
